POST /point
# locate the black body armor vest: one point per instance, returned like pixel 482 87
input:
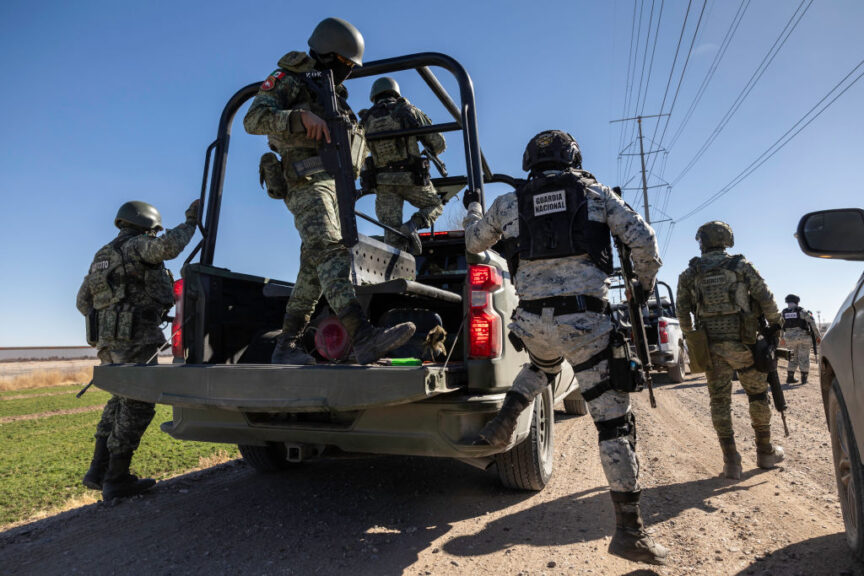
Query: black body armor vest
pixel 792 319
pixel 553 222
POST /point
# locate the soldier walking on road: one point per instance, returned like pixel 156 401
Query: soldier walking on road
pixel 288 112
pixel 800 333
pixel 125 297
pixel 562 218
pixel 725 294
pixel 399 170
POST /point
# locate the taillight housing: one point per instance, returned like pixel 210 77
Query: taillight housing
pixel 484 323
pixel 177 323
pixel 664 334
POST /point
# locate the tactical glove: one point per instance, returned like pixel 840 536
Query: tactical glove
pixel 470 196
pixel 192 213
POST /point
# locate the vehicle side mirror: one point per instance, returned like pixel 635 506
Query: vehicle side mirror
pixel 833 234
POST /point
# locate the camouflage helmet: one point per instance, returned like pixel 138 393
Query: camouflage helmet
pixel 384 85
pixel 140 215
pixel 551 149
pixel 715 234
pixel 793 298
pixel 336 36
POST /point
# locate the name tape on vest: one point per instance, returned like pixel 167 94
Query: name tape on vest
pixel 550 203
pixel 790 315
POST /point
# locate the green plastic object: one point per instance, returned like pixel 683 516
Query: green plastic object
pixel 406 362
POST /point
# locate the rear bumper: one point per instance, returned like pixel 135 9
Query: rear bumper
pixel 444 427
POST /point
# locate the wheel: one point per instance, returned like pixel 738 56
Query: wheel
pixel 528 465
pixel 847 469
pixel 270 458
pixel 677 372
pixel 575 404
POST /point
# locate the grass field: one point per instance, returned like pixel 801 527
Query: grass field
pixel 44 456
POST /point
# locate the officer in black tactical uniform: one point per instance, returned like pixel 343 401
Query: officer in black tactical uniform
pixel 560 221
pixel 125 297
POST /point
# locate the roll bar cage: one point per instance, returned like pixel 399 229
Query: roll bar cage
pixel 464 115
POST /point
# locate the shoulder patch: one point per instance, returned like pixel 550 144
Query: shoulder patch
pixel 271 80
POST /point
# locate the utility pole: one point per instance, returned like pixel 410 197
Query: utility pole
pixel 642 155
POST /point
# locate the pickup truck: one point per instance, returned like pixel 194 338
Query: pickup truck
pixel 665 340
pixel 223 388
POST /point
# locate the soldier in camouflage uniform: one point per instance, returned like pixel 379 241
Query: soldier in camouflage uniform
pixel 800 333
pixel 561 278
pixel 125 297
pixel 287 111
pixel 725 294
pixel 400 172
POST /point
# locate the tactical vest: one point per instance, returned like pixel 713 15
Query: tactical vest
pixel 553 222
pixel 793 318
pixel 386 115
pixel 719 290
pixel 126 291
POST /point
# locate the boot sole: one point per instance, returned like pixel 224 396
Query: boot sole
pixel 125 493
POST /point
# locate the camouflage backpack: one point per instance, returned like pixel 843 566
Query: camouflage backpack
pixel 720 291
pixel 385 116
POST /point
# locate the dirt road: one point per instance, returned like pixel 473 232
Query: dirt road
pixel 418 516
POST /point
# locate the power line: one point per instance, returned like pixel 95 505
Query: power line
pixel 642 72
pixel 790 26
pixel 781 142
pixel 724 45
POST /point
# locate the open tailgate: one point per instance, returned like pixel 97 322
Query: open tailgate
pixel 269 388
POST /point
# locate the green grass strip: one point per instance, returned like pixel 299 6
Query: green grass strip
pixel 40 404
pixel 42 461
pixel 73 388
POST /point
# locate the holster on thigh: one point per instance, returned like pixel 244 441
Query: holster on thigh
pixel 621 427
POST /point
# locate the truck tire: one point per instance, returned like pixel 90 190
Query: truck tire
pixel 265 459
pixel 847 469
pixel 528 465
pixel 678 372
pixel 575 404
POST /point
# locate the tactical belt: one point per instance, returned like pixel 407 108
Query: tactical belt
pixel 565 305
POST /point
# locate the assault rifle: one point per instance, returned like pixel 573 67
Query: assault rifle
pixel 765 353
pixel 437 162
pixel 813 340
pixel 336 157
pixel 635 298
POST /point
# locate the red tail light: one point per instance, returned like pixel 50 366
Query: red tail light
pixel 664 335
pixel 176 330
pixel 484 327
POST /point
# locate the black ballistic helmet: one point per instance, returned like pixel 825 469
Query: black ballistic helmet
pixel 382 86
pixel 793 298
pixel 337 36
pixel 551 149
pixel 138 215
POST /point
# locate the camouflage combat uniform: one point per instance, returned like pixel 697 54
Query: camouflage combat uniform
pixel 401 173
pixel 578 337
pixel 325 262
pixel 799 339
pixel 729 334
pixel 129 323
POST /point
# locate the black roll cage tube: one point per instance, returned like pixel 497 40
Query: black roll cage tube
pixel 465 117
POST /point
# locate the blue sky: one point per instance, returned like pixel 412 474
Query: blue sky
pixel 105 102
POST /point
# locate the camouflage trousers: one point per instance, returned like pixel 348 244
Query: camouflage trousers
pixel 325 263
pixel 388 206
pixel 799 343
pixel 726 358
pixel 576 338
pixel 124 420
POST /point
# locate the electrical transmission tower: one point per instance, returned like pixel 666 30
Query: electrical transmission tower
pixel 642 153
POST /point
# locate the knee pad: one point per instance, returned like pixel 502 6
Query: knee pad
pixel 549 366
pixel 760 397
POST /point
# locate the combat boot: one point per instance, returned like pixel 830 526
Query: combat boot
pixel 288 350
pixel 804 378
pixel 790 377
pixel 630 540
pixel 372 342
pixel 499 430
pixel 119 483
pixel 413 244
pixel 731 459
pixel 98 466
pixel 767 454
